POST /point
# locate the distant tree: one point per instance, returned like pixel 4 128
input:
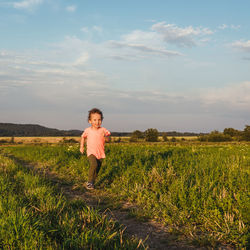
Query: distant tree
pixel 231 131
pixel 137 134
pixel 151 134
pixel 165 137
pixel 246 133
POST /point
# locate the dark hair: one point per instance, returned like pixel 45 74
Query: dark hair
pixel 95 111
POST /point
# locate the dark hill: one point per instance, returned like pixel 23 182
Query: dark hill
pixel 10 129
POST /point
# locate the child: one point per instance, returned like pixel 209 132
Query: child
pixel 95 136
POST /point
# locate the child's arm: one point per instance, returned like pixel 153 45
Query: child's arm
pixel 82 144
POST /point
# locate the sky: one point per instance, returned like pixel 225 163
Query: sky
pixel 179 65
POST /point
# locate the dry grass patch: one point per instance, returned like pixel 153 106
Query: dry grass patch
pixel 40 139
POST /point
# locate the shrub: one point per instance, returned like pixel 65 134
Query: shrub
pixel 173 139
pixel 231 131
pixel 118 140
pixel 215 136
pixel 151 134
pixel 137 134
pixel 133 139
pixel 164 137
pixel 71 140
pixel 246 133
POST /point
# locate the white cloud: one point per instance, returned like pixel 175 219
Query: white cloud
pixel 242 45
pixel 71 8
pixel 140 44
pixel 142 37
pixel 27 4
pixel 180 36
pixel 155 42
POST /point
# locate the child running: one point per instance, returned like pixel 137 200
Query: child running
pixel 95 136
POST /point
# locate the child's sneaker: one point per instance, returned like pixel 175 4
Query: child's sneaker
pixel 89 185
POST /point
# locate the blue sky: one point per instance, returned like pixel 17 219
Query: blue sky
pixel 171 65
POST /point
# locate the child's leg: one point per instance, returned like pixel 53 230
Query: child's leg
pixel 95 165
pixel 99 164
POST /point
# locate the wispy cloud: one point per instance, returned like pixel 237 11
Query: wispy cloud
pixel 93 29
pixel 70 81
pixel 71 8
pixel 235 27
pixel 223 26
pixel 85 29
pixel 97 28
pixel 185 37
pixel 146 50
pixel 157 40
pixel 233 96
pixel 27 4
pixel 226 26
pixel 242 45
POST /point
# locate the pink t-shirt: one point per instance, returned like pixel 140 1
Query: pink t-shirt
pixel 95 141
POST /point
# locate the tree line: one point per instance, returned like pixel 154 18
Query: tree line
pixel 229 134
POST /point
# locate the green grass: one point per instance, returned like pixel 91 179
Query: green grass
pixel 201 191
pixel 34 215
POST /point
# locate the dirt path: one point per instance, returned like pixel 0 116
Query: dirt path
pixel 153 234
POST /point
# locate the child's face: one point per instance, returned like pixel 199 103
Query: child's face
pixel 95 120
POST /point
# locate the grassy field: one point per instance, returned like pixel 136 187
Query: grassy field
pixel 200 191
pixel 34 215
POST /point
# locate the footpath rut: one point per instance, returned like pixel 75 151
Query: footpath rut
pixel 153 234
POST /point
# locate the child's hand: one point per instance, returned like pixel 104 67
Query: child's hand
pixel 82 149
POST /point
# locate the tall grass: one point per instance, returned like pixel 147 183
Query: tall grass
pixel 34 215
pixel 200 191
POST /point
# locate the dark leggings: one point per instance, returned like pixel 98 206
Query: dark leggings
pixel 95 165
